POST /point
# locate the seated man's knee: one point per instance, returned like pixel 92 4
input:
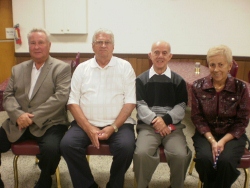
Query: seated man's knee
pixel 179 152
pixel 51 148
pixel 139 152
pixel 127 147
pixel 64 145
pixel 144 151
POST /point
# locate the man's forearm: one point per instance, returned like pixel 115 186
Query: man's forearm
pixel 79 116
pixel 124 114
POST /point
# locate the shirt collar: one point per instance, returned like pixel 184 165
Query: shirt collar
pixel 152 72
pixel 110 64
pixel 229 84
pixel 34 66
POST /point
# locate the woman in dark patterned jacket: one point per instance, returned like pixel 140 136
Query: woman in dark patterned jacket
pixel 220 113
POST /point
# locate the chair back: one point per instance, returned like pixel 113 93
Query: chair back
pixel 249 76
pixel 75 63
pixel 234 69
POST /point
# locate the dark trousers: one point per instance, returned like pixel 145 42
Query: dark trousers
pixel 49 144
pixel 73 147
pixel 226 173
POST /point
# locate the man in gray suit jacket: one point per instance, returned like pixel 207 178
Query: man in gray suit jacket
pixel 35 100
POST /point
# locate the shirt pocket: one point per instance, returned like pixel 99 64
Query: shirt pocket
pixel 208 103
pixel 230 104
pixel 206 98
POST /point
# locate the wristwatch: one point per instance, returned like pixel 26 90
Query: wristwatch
pixel 115 128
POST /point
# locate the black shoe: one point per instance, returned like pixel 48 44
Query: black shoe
pixel 44 183
pixel 1 183
pixel 107 185
pixel 95 185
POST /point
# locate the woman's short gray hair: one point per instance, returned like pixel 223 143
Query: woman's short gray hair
pixel 220 50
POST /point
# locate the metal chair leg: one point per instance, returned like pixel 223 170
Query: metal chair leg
pixel 135 183
pixel 246 182
pixel 58 181
pixel 88 158
pixel 200 184
pixel 36 160
pixel 190 171
pixel 15 170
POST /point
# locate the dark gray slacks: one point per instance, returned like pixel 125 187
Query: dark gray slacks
pixel 49 145
pixel 73 146
pixel 226 172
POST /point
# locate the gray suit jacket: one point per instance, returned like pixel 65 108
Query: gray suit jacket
pixel 47 102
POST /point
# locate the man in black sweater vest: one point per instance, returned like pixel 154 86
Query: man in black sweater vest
pixel 161 97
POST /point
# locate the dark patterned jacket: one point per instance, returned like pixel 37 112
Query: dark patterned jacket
pixel 220 113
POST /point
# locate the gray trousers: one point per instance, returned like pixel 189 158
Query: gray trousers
pixel 146 155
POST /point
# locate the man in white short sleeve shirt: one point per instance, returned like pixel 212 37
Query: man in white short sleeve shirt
pixel 101 101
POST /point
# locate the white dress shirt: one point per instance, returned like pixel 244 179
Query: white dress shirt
pixel 102 92
pixel 34 76
pixel 152 72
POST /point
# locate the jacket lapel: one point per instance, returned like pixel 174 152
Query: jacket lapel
pixel 27 77
pixel 42 76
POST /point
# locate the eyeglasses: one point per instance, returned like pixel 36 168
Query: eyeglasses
pixel 39 43
pixel 100 43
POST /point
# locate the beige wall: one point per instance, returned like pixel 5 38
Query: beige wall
pixel 191 26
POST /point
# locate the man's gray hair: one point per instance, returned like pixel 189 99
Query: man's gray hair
pixel 34 30
pixel 106 31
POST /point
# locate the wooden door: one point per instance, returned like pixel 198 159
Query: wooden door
pixel 7 49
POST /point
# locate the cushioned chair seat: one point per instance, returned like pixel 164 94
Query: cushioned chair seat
pixel 245 160
pixel 28 147
pixel 162 154
pixel 103 150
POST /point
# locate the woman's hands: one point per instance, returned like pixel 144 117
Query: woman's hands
pixel 218 146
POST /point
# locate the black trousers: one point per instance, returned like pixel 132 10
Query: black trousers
pixel 226 173
pixel 49 145
pixel 74 143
